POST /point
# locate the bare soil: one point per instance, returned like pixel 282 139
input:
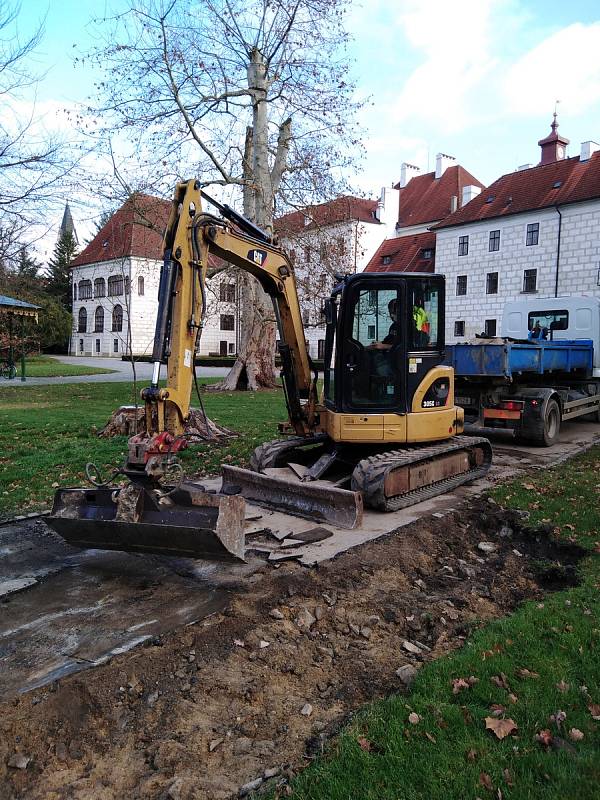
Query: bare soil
pixel 200 713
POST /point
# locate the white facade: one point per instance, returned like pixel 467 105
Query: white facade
pixel 514 261
pixel 106 332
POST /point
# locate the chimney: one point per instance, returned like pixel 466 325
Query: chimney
pixel 588 149
pixel 442 162
pixel 407 171
pixel 387 206
pixel 453 203
pixel 468 193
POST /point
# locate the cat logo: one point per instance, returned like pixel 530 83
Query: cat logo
pixel 258 256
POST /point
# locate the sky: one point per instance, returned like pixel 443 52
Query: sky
pixel 475 79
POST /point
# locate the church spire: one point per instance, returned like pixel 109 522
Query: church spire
pixel 67 225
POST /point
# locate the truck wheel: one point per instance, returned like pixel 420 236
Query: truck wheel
pixel 544 431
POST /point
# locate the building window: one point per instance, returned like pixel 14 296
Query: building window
pixel 386 259
pixel 85 290
pixel 371 332
pixel 463 245
pixel 227 292
pixel 491 283
pixel 117 319
pixel 321 349
pixel 306 317
pixel 533 233
pixel 115 285
pixel 74 291
pixel 99 320
pixel 530 280
pixel 81 345
pixel 459 327
pixel 231 348
pixel 461 284
pixel 494 241
pixel 82 321
pixel 98 346
pixel 490 328
pixel 115 345
pixel 427 253
pixel 141 285
pixel 227 322
pixel 341 246
pixel 99 287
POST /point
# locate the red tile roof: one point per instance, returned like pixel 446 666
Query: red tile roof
pixel 136 229
pixel 544 186
pixel 342 209
pixel 405 254
pixel 425 199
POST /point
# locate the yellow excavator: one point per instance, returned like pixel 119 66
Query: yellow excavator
pixel 384 434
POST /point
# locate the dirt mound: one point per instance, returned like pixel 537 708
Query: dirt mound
pixel 253 692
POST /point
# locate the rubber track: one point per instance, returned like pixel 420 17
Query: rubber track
pixel 369 474
pixel 278 452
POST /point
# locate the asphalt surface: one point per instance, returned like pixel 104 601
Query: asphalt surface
pixel 123 372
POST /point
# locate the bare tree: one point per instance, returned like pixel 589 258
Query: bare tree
pixel 252 94
pixel 33 163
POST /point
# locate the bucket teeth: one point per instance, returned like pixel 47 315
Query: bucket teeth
pixel 189 523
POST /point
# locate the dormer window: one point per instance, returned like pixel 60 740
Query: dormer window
pixel 427 253
pixel 557 184
pixel 386 260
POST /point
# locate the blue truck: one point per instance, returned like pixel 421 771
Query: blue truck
pixel 543 370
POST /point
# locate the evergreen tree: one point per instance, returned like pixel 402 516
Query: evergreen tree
pixel 59 269
pixel 27 266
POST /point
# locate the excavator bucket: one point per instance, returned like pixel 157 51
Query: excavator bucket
pixel 188 522
pixel 314 501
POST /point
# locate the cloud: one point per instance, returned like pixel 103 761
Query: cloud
pixel 565 66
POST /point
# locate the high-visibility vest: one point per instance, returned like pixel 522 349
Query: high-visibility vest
pixel 421 319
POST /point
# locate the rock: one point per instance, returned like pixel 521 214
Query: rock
pixel 366 632
pixel 185 687
pixel 306 710
pixel 406 673
pixel 329 600
pixel 487 547
pixel 242 746
pixel 505 531
pixel 213 744
pixel 152 698
pixel 355 629
pixel 249 787
pixel 61 751
pixel 271 773
pixel 19 761
pixel 275 613
pixel 174 792
pixel 421 584
pixel 180 674
pixel 305 620
pixel 319 613
pixel 373 620
pixel 263 748
pixel 412 648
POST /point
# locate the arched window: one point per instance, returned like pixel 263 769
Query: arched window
pixel 115 285
pixel 99 320
pixel 141 285
pixel 99 287
pixel 82 328
pixel 85 290
pixel 74 291
pixel 117 318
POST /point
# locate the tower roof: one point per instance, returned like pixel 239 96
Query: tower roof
pixel 67 225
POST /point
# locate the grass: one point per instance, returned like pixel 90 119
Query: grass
pixel 47 367
pixel 448 753
pixel 48 434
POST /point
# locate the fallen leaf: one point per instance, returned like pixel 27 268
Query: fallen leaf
pixel 430 737
pixel 486 781
pixel 497 710
pixel 364 744
pixel 513 698
pixel 501 727
pixel 558 717
pixel 569 526
pixel 523 672
pixel 501 681
pixel 575 735
pixel 544 737
pixel 528 486
pixel 458 684
pixel 594 709
pixel 507 777
pixel 413 718
pixel 562 686
pixel 471 755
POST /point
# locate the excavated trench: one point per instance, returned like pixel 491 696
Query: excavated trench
pixel 256 688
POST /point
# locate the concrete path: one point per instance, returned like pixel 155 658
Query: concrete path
pixel 123 372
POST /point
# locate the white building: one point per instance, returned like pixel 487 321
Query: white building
pixel 534 232
pixel 335 237
pixel 115 288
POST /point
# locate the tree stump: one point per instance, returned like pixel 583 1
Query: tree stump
pixel 129 420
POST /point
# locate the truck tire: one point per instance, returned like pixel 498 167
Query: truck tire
pixel 544 431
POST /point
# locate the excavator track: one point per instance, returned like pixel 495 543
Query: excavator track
pixel 400 478
pixel 279 452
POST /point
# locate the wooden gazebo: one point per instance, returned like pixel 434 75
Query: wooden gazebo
pixel 12 308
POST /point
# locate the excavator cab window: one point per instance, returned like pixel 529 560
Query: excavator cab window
pixel 373 339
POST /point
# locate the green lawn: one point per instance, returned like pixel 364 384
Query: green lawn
pixel 47 367
pixel 47 434
pixel 446 752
